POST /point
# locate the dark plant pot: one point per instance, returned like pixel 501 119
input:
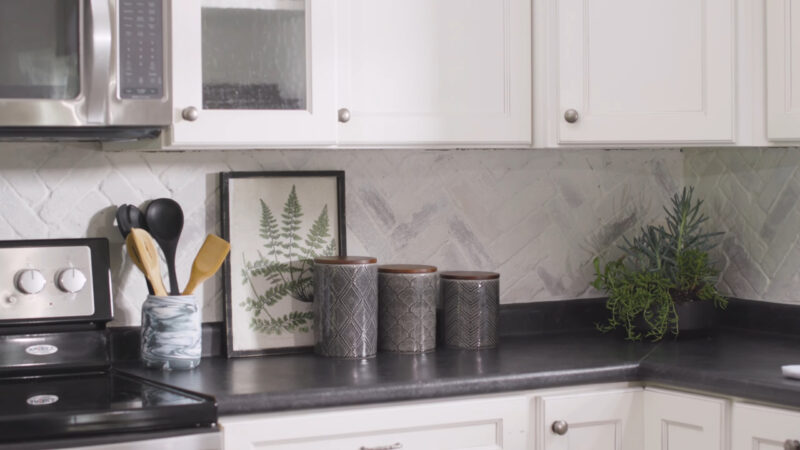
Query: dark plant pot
pixel 695 319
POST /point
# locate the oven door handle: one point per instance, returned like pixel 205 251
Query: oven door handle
pixel 98 61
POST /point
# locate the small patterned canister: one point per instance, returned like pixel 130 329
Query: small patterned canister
pixel 346 306
pixel 171 332
pixel 471 303
pixel 407 308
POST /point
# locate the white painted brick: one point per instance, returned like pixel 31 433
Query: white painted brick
pixel 502 210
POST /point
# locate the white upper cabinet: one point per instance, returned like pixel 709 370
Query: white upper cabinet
pixel 279 73
pixel 253 72
pixel 609 420
pixel 642 71
pixel 434 72
pixel 761 428
pixel 680 421
pixel 783 69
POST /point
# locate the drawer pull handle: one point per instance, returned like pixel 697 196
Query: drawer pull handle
pixel 791 444
pixel 394 446
pixel 560 427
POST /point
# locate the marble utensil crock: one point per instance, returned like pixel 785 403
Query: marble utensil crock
pixel 346 306
pixel 471 302
pixel 407 308
pixel 171 332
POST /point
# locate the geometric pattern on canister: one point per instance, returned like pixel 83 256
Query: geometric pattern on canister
pixel 471 312
pixel 407 312
pixel 346 310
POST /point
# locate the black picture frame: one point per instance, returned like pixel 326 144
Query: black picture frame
pixel 226 178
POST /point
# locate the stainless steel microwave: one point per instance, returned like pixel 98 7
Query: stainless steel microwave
pixel 78 65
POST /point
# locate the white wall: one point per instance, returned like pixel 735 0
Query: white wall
pixel 536 216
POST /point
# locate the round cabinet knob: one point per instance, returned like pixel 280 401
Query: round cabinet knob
pixel 791 444
pixel 560 427
pixel 344 115
pixel 71 280
pixel 191 113
pixel 571 115
pixel 30 281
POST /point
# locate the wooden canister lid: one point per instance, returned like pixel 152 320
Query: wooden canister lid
pixel 345 260
pixel 469 275
pixel 406 268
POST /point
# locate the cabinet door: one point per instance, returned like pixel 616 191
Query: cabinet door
pixel 645 71
pixel 416 72
pixel 488 423
pixel 783 69
pixel 761 428
pixel 255 72
pixel 678 421
pixel 594 421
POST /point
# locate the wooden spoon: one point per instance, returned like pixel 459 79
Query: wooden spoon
pixel 143 253
pixel 208 260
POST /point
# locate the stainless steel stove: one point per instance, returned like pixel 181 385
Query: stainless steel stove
pixel 57 386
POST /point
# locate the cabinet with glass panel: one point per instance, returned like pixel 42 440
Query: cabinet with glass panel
pixel 252 72
pixel 318 73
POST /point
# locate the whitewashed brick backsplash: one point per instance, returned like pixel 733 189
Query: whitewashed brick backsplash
pixel 753 194
pixel 536 216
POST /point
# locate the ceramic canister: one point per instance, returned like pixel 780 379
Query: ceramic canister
pixel 407 308
pixel 346 306
pixel 171 332
pixel 471 302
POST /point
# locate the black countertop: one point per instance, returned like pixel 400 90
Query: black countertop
pixel 741 364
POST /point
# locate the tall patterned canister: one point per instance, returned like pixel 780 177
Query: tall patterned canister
pixel 171 332
pixel 407 308
pixel 346 306
pixel 471 302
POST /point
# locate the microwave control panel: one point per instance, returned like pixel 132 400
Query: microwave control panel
pixel 141 49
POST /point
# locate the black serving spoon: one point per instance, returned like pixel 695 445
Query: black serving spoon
pixel 164 218
pixel 123 223
pixel 129 216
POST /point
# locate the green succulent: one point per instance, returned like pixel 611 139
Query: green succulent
pixel 660 266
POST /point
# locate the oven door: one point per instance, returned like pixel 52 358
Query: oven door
pixel 60 64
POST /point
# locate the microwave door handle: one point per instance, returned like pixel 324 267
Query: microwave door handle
pixel 98 61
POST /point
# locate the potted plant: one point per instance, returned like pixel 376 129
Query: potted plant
pixel 664 283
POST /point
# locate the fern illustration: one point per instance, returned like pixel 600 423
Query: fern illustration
pixel 287 266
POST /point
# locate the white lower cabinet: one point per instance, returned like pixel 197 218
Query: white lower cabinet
pixel 762 428
pixel 617 416
pixel 680 421
pixel 478 423
pixel 608 420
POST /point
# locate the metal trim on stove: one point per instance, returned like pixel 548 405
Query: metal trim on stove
pixel 101 276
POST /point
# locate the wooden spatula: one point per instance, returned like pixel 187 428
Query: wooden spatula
pixel 143 253
pixel 208 260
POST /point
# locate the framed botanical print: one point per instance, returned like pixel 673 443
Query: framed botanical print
pixel 277 223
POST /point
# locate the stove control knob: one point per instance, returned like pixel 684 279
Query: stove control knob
pixel 30 281
pixel 71 280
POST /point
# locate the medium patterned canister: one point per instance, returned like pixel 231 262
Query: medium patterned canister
pixel 346 306
pixel 407 308
pixel 471 303
pixel 171 332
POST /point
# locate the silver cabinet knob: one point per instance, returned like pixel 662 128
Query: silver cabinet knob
pixel 571 115
pixel 791 444
pixel 344 115
pixel 191 113
pixel 560 427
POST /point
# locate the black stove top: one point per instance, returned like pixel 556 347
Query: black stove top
pixel 83 404
pixel 55 376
